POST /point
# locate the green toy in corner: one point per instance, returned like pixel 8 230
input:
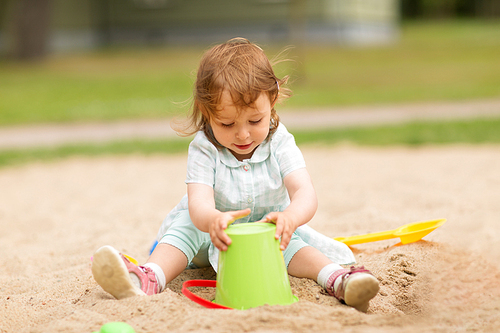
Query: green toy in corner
pixel 116 327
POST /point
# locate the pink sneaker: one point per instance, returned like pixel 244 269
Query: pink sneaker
pixel 357 287
pixel 113 272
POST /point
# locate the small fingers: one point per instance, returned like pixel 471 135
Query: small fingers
pixel 219 238
pixel 219 245
pixel 274 218
pixel 286 236
pixel 283 229
pixel 238 214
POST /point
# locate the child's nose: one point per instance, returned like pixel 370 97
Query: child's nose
pixel 242 133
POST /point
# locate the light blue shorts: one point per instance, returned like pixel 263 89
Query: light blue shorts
pixel 194 243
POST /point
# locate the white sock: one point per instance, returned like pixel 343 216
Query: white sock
pixel 160 276
pixel 325 273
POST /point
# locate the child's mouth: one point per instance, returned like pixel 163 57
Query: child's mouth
pixel 243 147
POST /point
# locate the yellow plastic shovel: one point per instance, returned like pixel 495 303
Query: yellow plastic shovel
pixel 407 233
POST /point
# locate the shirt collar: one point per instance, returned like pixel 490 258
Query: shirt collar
pixel 260 154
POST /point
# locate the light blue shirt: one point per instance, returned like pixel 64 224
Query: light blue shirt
pixel 256 183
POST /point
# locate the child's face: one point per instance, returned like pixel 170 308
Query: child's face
pixel 242 130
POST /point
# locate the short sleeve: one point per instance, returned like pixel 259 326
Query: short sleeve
pixel 201 162
pixel 286 152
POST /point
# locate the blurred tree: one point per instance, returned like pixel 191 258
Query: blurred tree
pixel 30 28
pixel 414 9
pixel 100 14
pixel 439 8
pixel 410 9
pixel 488 8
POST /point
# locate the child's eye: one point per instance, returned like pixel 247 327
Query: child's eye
pixel 255 121
pixel 227 125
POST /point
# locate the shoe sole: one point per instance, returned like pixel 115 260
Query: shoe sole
pixel 360 290
pixel 112 275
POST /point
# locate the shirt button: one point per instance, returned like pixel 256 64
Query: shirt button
pixel 246 167
pixel 250 200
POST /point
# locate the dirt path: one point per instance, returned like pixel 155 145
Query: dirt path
pixel 53 135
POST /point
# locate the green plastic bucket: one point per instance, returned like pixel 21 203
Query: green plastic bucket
pixel 116 327
pixel 252 271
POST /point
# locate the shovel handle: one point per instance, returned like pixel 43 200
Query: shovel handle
pixel 198 299
pixel 376 236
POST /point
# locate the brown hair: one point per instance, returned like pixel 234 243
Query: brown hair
pixel 241 68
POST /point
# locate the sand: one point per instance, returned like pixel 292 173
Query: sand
pixel 54 215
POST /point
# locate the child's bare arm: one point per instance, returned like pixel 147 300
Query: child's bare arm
pixel 303 205
pixel 208 219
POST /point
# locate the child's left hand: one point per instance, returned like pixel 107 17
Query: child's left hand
pixel 285 227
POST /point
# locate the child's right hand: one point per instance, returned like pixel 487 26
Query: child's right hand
pixel 216 229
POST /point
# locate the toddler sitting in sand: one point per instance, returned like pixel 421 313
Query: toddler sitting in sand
pixel 243 165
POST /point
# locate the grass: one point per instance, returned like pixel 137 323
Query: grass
pixel 107 85
pixel 144 147
pixel 452 60
pixel 477 131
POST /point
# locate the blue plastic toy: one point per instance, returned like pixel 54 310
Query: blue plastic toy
pixel 153 247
